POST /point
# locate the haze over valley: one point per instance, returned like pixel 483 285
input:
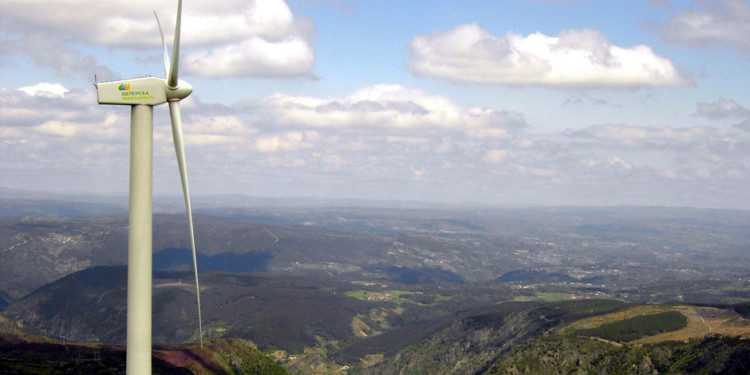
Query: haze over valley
pixel 358 288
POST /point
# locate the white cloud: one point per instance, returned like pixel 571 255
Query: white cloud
pixel 45 89
pixel 35 105
pixel 537 172
pixel 395 107
pixel 704 173
pixel 333 162
pixel 217 130
pixel 611 163
pixel 261 39
pixel 488 133
pixel 669 174
pixel 411 140
pixel 495 156
pixel 417 172
pixel 58 128
pixel 254 56
pixel 723 23
pixel 620 163
pixel 288 141
pixel 438 148
pixel 47 134
pixel 734 173
pixel 639 135
pixel 577 57
pixel 229 38
pixel 275 161
pixel 722 108
pixel 52 51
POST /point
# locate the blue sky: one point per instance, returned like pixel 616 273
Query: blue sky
pixel 504 103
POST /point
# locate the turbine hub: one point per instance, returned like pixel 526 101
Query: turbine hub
pixel 180 92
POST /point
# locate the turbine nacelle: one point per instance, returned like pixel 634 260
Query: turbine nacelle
pixel 148 91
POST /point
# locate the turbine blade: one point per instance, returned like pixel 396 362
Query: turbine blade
pixel 164 43
pixel 179 147
pixel 172 76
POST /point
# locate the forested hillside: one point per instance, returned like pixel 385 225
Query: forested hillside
pixel 558 355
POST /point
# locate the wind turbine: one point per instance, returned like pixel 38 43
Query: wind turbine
pixel 142 94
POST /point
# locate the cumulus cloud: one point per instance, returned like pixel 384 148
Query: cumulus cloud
pixel 722 108
pixel 52 51
pixel 378 138
pixel 495 156
pixel 230 38
pixel 45 89
pixel 47 130
pixel 50 109
pixel 638 136
pixel 576 57
pixel 724 23
pixel 34 105
pixel 288 141
pixel 217 129
pixel 614 162
pixel 268 41
pixel 393 106
pixel 654 153
pixel 253 57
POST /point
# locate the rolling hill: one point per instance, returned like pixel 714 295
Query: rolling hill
pixel 374 290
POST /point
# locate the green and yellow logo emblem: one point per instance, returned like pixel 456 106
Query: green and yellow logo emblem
pixel 136 95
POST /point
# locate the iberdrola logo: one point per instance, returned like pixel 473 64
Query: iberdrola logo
pixel 125 86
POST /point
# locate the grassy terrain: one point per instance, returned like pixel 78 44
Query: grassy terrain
pixel 373 323
pixel 547 297
pixel 701 321
pixel 704 321
pixel 396 296
pixel 637 327
pixel 713 341
pixel 312 361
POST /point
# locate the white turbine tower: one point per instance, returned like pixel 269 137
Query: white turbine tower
pixel 141 95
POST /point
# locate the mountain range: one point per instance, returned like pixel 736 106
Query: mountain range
pixel 368 289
